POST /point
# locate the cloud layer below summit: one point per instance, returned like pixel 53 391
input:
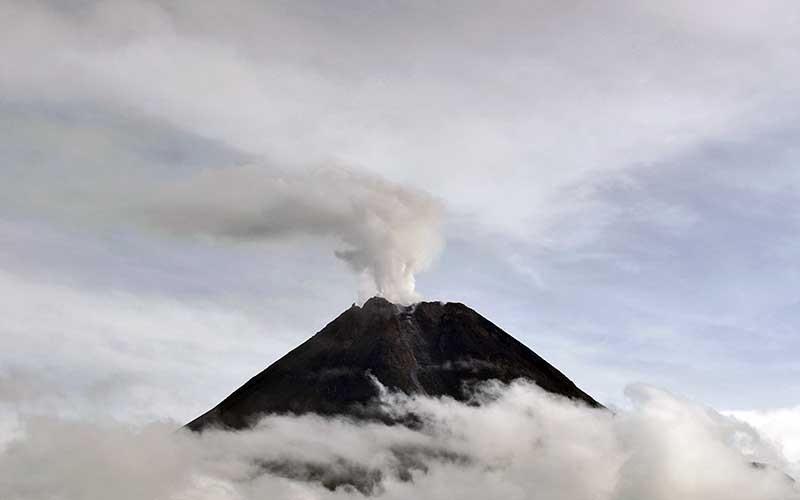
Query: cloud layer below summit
pixel 521 444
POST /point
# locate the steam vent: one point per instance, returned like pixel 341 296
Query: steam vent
pixel 427 348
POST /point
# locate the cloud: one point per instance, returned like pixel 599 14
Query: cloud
pixel 76 353
pixel 503 113
pixel 520 443
pixel 781 426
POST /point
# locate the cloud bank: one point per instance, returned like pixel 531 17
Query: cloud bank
pixel 521 443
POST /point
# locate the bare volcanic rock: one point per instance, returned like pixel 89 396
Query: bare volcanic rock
pixel 427 348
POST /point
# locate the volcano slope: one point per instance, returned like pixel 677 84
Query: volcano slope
pixel 429 348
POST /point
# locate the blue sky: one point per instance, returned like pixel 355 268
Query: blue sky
pixel 617 181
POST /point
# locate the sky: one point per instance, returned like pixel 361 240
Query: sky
pixel 188 191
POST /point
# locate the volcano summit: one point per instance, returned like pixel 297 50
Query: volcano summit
pixel 429 348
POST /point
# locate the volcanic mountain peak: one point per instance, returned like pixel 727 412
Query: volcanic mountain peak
pixel 428 348
pixel 378 303
pixel 380 308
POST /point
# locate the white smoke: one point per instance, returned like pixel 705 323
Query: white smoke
pixel 388 233
pixel 521 443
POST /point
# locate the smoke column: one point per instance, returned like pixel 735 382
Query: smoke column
pixel 387 232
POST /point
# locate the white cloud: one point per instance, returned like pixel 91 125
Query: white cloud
pixel 72 352
pixel 497 113
pixel 781 426
pixel 520 444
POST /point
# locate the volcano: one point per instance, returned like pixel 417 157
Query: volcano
pixel 428 348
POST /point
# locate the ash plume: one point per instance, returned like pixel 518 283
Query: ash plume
pixel 387 232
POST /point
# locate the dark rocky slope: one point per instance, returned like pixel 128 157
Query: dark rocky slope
pixel 429 348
